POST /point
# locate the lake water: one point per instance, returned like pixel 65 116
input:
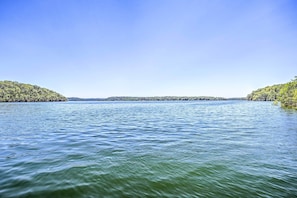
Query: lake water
pixel 148 149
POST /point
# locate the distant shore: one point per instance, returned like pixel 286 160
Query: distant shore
pixel 155 98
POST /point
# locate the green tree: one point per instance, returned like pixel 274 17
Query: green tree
pixel 286 94
pixel 18 92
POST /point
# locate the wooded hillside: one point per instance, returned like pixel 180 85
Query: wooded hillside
pixel 286 94
pixel 269 93
pixel 19 92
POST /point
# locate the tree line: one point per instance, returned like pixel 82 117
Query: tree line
pixel 153 98
pixel 286 94
pixel 11 91
pixel 162 98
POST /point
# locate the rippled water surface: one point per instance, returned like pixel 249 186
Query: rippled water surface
pixel 148 149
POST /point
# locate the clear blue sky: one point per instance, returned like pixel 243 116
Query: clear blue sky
pixel 101 48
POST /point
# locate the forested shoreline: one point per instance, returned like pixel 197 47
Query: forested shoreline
pixel 286 94
pixel 153 98
pixel 11 91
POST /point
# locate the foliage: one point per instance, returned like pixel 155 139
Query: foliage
pixel 19 92
pixel 155 98
pixel 269 93
pixel 286 94
pixel 162 98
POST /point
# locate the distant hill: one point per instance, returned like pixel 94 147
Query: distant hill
pixel 163 98
pixel 286 94
pixel 11 91
pixel 154 98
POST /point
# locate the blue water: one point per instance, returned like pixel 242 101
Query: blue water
pixel 148 149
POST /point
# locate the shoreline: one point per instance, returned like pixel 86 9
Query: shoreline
pixel 156 98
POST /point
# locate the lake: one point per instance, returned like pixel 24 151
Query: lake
pixel 148 149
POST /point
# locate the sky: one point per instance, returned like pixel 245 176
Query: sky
pixel 102 48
